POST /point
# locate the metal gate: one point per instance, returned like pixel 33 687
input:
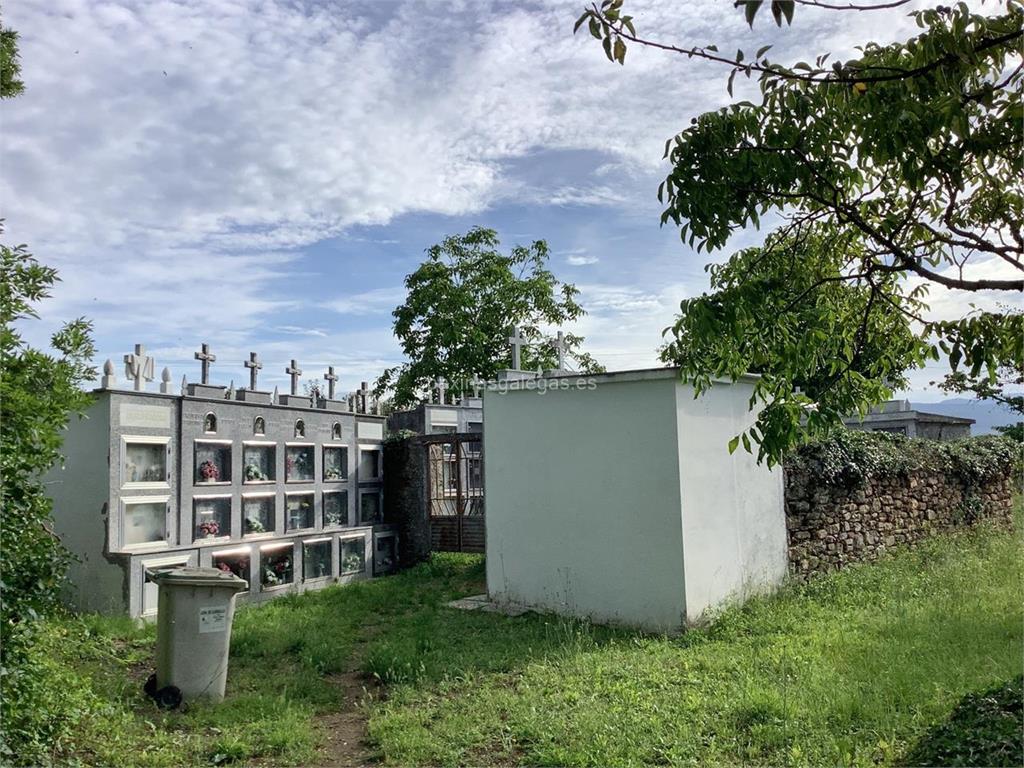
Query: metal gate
pixel 455 492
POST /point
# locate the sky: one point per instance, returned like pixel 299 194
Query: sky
pixel 261 176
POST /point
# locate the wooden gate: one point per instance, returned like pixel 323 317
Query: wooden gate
pixel 455 492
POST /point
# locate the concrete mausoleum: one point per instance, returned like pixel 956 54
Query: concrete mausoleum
pixel 614 497
pixel 284 492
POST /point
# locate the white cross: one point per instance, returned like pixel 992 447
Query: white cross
pixel 206 359
pixel 561 347
pixel 294 371
pixel 364 396
pixel 330 377
pixel 139 366
pixel 517 343
pixel 254 365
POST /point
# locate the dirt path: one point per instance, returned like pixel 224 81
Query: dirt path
pixel 345 730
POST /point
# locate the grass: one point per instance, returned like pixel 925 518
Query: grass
pixel 879 664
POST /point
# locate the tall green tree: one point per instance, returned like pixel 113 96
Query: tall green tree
pixel 462 304
pixel 906 158
pixel 39 392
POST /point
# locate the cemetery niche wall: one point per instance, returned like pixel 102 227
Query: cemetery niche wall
pixel 215 477
pixel 614 498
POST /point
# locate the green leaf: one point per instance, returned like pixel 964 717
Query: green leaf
pixel 620 50
pixel 750 8
pixel 734 444
pixel 580 20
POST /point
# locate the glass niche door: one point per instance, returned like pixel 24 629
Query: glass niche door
pixel 259 463
pixel 144 521
pixel 317 557
pixel 145 462
pixel 259 513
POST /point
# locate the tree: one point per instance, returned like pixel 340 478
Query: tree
pixel 462 304
pixel 38 393
pixel 906 158
pixel 10 68
pixel 828 348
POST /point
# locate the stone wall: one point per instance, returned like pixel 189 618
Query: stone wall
pixel 830 525
pixel 404 497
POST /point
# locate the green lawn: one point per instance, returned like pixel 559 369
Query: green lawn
pixel 869 666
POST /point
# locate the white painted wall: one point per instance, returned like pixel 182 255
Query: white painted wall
pixel 80 492
pixel 622 504
pixel 734 526
pixel 583 502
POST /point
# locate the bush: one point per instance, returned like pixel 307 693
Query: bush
pixel 45 701
pixel 984 729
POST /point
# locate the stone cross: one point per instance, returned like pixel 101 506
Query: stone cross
pixel 517 343
pixel 561 347
pixel 205 357
pixel 139 366
pixel 330 377
pixel 254 365
pixel 364 396
pixel 294 371
pixel 442 388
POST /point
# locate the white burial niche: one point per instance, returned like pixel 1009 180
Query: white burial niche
pixel 212 462
pixel 335 463
pixel 212 517
pixel 258 513
pixel 259 462
pixel 144 462
pixel 299 463
pixel 352 556
pixel 317 555
pixel 335 507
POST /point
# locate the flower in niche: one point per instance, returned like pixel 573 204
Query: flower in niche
pixel 209 528
pixel 209 471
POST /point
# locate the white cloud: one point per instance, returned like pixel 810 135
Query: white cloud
pixel 167 157
pixel 299 331
pixel 581 260
pixel 378 300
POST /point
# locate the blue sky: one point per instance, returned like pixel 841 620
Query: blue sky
pixel 262 175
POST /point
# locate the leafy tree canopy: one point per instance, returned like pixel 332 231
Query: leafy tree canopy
pixel 462 304
pixel 38 391
pixel 10 67
pixel 845 347
pixel 902 169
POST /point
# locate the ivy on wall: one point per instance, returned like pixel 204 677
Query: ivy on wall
pixel 849 459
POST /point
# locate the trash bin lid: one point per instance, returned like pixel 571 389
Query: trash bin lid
pixel 189 576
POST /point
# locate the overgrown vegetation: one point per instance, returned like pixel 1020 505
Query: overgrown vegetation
pixel 984 729
pixel 849 458
pixel 39 392
pixel 862 667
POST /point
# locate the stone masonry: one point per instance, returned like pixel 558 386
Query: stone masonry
pixel 832 526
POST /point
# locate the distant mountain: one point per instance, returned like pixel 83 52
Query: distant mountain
pixel 985 413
